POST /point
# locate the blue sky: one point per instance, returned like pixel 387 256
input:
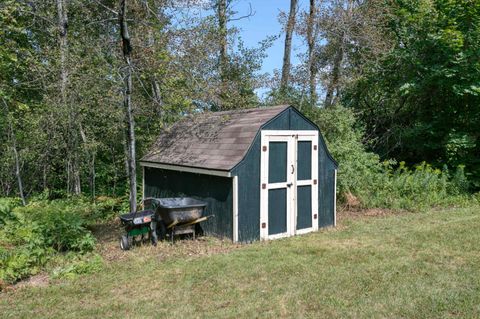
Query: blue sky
pixel 264 23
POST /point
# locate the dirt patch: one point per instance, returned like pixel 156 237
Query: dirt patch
pixel 107 231
pixel 39 280
pixel 108 235
pixel 346 214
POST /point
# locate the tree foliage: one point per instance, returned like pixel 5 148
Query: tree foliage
pixel 422 99
pixel 175 71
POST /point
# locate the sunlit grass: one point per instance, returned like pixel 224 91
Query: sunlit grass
pixel 409 265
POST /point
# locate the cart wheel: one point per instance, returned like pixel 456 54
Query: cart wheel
pixel 125 242
pixel 153 237
pixel 161 230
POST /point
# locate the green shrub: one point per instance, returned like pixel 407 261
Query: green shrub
pixel 32 234
pixel 357 167
pixel 60 224
pixel 6 208
pixel 388 184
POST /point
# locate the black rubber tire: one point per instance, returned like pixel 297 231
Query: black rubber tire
pixel 125 242
pixel 161 230
pixel 153 237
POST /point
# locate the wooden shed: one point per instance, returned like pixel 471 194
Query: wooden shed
pixel 266 173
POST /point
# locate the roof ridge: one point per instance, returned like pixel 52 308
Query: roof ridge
pixel 245 110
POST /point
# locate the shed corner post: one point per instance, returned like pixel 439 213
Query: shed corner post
pixel 143 182
pixel 235 208
pixel 335 199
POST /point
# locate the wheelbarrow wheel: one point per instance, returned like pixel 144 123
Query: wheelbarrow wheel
pixel 161 230
pixel 153 237
pixel 125 242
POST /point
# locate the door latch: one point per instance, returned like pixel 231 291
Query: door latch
pixel 289 184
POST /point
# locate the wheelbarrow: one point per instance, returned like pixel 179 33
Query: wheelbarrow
pixel 178 216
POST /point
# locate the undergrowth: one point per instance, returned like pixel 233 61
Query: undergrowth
pixel 50 233
pixel 387 184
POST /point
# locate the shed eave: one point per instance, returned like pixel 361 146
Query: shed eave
pixel 188 169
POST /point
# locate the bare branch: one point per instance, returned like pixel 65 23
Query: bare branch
pixel 248 15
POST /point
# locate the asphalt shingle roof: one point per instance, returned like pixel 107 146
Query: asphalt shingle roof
pixel 210 140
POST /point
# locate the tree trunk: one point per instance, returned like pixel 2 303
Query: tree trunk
pixel 92 176
pixel 222 26
pixel 157 94
pixel 311 53
pixel 155 86
pixel 73 174
pixel 127 102
pixel 16 156
pixel 284 82
pixel 335 75
pixel 62 37
pixel 17 167
pixel 334 86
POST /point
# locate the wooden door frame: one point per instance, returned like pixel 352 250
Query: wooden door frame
pixel 291 137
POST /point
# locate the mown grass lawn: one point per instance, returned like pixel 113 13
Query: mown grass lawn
pixel 409 265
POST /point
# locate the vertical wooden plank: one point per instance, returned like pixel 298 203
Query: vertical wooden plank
pixel 215 190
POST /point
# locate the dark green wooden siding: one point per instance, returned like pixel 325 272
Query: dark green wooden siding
pixel 248 172
pixel 326 193
pixel 215 190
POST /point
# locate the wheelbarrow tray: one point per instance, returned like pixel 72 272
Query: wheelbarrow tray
pixel 137 218
pixel 180 210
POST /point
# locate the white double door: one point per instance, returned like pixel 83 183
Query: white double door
pixel 288 183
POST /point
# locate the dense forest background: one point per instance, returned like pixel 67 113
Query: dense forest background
pixel 85 86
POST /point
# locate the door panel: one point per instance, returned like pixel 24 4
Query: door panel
pixel 304 207
pixel 304 160
pixel 277 162
pixel 277 211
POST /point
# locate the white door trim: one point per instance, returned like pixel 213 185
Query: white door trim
pixel 291 137
pixel 235 208
pixel 264 159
